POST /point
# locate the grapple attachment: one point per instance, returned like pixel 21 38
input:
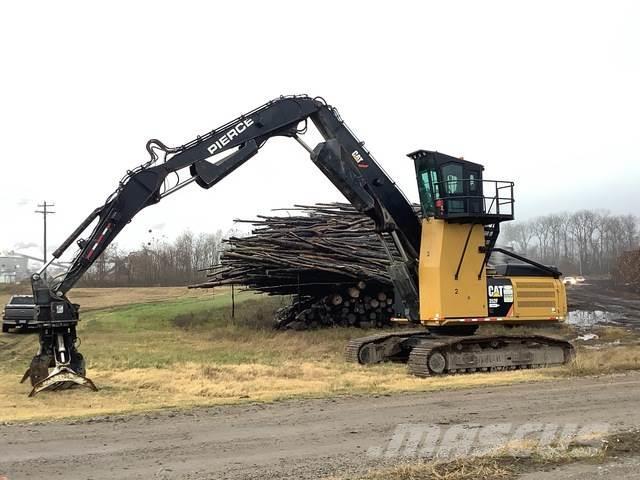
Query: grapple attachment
pixel 58 365
pixel 61 378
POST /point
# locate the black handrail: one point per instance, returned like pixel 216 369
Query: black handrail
pixel 496 204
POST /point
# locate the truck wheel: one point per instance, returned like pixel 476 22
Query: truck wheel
pixel 5 328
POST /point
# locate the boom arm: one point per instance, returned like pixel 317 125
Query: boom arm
pixel 341 157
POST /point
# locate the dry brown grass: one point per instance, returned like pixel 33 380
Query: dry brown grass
pixel 200 384
pixel 204 383
pixel 197 384
pixel 613 334
pixel 488 467
pixel 177 348
pixel 603 361
pixel 476 469
pixel 501 464
pixel 99 298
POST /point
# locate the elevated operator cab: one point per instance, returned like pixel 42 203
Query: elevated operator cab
pixel 462 213
pixel 453 189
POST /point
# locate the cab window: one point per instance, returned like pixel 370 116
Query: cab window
pixel 427 186
pixel 452 176
pixel 475 185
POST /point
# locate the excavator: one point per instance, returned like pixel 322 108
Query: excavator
pixel 443 282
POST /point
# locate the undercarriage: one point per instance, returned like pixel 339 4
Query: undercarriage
pixel 427 353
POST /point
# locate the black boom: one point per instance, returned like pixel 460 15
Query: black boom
pixel 341 157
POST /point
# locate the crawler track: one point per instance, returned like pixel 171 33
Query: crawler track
pixel 353 350
pixel 427 354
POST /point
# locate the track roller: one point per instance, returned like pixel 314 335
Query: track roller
pixel 427 354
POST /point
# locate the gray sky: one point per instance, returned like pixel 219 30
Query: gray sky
pixel 543 93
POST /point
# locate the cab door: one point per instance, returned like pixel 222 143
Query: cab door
pixel 473 190
pixel 463 188
pixel 453 182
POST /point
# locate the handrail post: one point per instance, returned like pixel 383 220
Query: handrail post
pixel 513 209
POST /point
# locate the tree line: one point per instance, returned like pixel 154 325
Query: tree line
pixel 586 241
pixel 582 242
pixel 157 263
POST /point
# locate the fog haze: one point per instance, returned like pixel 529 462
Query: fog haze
pixel 542 93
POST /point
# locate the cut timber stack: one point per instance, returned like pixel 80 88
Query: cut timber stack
pixel 626 273
pixel 326 256
pixel 357 306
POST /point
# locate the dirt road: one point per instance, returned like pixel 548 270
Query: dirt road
pixel 298 439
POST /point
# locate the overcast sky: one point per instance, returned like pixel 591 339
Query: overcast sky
pixel 543 93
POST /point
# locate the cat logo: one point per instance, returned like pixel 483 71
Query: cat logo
pixel 495 291
pixel 359 160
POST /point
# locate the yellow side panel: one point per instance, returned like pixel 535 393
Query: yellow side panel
pixel 539 298
pixel 441 294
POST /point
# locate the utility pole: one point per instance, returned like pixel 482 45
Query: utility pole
pixel 44 206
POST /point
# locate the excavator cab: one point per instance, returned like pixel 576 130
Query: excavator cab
pixel 453 189
pixel 462 213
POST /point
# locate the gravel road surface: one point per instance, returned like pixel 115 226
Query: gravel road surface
pixel 298 439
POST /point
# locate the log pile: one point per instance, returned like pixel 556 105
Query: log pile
pixel 626 273
pixel 356 306
pixel 326 256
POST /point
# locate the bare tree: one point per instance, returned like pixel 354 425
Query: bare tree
pixel 587 241
pixel 519 236
pixel 158 262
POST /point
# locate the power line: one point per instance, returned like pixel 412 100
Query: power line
pixel 44 206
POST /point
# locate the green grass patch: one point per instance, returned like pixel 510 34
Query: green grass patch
pixel 177 331
pixel 157 316
pixel 200 330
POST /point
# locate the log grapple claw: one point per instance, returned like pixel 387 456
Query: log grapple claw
pixel 61 378
pixel 58 365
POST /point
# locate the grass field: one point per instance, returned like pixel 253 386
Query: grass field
pixel 98 298
pixel 165 351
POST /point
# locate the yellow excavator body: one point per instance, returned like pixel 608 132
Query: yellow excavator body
pixel 456 287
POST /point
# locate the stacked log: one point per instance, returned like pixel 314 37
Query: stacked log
pixel 326 256
pixel 356 306
pixel 626 273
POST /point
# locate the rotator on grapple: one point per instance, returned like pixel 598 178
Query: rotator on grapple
pixel 441 281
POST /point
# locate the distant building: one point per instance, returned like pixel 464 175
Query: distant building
pixel 13 269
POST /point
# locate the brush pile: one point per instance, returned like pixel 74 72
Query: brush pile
pixel 326 256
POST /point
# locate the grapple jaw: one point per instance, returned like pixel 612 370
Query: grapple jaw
pixel 58 365
pixel 61 378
